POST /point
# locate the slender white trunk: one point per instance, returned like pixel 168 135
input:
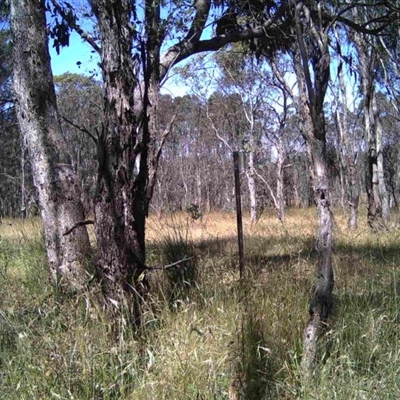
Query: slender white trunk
pixel 279 180
pixel 252 186
pixel 383 192
pixel 378 205
pixel 198 184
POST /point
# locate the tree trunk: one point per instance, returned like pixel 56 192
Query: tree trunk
pixel 251 183
pixel 119 204
pixel 38 118
pixel 378 203
pixel 348 158
pixel 280 198
pixel 354 194
pixel 198 185
pixel 128 150
pixel 376 188
pixel 383 192
pixel 321 301
pixel 312 89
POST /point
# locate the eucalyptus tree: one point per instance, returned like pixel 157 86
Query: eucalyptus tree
pixel 312 69
pixel 348 151
pixel 242 77
pixel 279 119
pixel 38 118
pixel 189 160
pixel 129 37
pixel 9 150
pixel 368 64
pixel 312 62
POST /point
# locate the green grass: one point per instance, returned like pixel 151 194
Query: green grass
pixel 205 334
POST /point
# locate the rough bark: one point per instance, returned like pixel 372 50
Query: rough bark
pixel 119 201
pixel 38 118
pixel 129 148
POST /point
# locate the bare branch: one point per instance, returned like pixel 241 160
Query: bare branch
pixel 82 129
pixel 269 189
pixel 216 131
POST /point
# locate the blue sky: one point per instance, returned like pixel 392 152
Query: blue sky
pixel 79 51
pixel 68 58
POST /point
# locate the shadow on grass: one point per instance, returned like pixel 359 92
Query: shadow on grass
pixel 261 253
pixel 258 367
pixel 274 253
pixel 367 258
pixel 176 282
pixel 365 325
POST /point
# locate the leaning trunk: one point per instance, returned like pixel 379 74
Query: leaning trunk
pixel 38 118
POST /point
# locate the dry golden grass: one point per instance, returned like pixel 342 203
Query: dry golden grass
pixel 219 225
pixel 20 229
pixel 206 331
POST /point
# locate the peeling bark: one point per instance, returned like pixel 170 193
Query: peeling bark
pixel 119 201
pixel 129 148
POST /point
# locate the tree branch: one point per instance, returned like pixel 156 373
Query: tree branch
pixel 77 225
pixel 187 47
pixel 82 129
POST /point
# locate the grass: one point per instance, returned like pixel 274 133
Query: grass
pixel 207 335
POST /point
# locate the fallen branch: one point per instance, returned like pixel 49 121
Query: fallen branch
pixel 164 267
pixel 78 224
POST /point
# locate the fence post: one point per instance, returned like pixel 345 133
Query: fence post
pixel 236 165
